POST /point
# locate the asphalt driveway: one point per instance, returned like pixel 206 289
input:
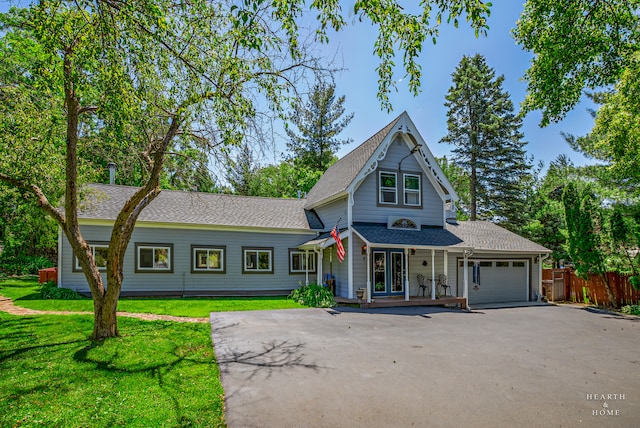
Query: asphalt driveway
pixel 541 366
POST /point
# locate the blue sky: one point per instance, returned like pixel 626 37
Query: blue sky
pixel 354 50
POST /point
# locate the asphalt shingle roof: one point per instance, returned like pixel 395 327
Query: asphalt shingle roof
pixel 211 209
pixel 484 235
pixel 340 175
pixel 479 235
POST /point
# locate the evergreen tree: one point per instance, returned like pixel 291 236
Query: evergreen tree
pixel 319 122
pixel 488 143
pixel 241 171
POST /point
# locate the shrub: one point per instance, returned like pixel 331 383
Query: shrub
pixel 635 281
pixel 23 265
pixel 313 295
pixel 631 309
pixel 50 290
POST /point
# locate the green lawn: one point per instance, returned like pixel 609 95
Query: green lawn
pixel 156 374
pixel 24 292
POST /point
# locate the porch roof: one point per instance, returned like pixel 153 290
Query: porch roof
pixel 430 237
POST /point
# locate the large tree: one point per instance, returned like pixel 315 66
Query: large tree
pixel 577 45
pixel 587 245
pixel 319 121
pixel 132 77
pixel 488 143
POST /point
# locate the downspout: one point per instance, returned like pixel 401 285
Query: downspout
pixel 541 258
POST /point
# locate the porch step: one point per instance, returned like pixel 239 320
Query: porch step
pixel 389 302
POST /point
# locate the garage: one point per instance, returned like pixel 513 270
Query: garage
pixel 496 280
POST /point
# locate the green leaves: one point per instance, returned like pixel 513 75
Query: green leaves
pixel 578 44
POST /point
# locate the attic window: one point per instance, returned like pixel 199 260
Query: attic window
pixel 404 223
pixel 388 188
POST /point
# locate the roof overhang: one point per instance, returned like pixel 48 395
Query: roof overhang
pixel 323 241
pixel 431 238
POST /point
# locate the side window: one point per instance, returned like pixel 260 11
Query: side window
pixel 99 250
pixel 208 259
pixel 301 262
pixel 412 190
pixel 257 260
pixel 154 258
pixel 388 188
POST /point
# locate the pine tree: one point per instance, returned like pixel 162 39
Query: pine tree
pixel 488 143
pixel 319 122
pixel 240 171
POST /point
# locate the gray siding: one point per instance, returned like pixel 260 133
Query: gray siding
pixel 366 208
pixel 182 280
pixel 332 212
pixel 331 265
pixel 416 267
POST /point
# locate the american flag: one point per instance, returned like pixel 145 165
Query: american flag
pixel 335 233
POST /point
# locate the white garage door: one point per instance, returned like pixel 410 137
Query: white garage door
pixel 496 281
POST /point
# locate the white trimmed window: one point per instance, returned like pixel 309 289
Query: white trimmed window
pixel 388 188
pixel 99 252
pixel 412 190
pixel 300 260
pixel 257 260
pixel 154 257
pixel 208 259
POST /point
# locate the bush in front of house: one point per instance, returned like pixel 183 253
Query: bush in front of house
pixel 50 290
pixel 313 295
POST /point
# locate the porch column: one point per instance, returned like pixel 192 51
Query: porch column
pixel 368 273
pixel 465 292
pixel 445 269
pixel 319 266
pixel 433 274
pixel 306 267
pixel 406 274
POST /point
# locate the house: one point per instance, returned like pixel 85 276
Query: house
pixel 389 199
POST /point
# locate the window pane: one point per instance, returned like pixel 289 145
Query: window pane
pixel 412 198
pixel 387 180
pixel 264 261
pixel 201 259
pixel 215 258
pixel 412 182
pixel 146 257
pixel 250 260
pixel 100 255
pixel 161 258
pixel 389 196
pixel 297 262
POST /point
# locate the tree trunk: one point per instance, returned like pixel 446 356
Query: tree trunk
pixel 105 323
pixel 473 187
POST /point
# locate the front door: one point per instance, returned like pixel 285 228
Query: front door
pixel 388 272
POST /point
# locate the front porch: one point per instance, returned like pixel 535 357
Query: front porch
pixel 397 301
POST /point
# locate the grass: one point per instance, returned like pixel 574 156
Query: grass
pixel 160 374
pixel 24 293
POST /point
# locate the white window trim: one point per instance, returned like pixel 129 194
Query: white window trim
pixel 76 266
pixel 246 250
pixel 418 191
pixel 310 260
pixel 208 249
pixel 154 247
pixel 381 188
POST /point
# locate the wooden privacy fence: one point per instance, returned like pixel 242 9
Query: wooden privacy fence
pixel 592 290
